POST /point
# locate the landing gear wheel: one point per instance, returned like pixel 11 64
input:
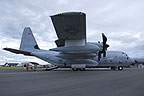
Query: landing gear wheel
pixel 120 68
pixel 74 69
pixel 113 68
pixel 82 69
pixel 47 69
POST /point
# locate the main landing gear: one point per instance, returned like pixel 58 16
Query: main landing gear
pixel 119 68
pixel 113 68
pixel 76 69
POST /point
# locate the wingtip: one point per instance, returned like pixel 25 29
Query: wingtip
pixel 4 48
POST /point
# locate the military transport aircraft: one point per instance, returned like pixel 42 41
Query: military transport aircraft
pixel 73 50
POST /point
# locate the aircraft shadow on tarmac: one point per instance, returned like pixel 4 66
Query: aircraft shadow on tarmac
pixel 86 70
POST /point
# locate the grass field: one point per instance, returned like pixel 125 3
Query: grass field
pixel 11 67
pixel 16 68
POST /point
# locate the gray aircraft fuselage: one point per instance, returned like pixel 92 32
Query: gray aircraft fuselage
pixel 113 59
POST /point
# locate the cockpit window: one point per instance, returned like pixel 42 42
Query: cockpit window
pixel 124 54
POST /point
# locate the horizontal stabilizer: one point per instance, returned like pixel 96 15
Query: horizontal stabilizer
pixel 18 51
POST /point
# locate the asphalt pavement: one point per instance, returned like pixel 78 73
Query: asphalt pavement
pixel 64 82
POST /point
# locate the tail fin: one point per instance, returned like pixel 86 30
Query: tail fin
pixel 28 42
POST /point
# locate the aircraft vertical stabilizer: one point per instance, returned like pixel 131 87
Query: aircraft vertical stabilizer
pixel 28 42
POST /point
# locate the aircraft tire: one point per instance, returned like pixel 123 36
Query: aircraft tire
pixel 74 69
pixel 47 69
pixel 120 68
pixel 82 69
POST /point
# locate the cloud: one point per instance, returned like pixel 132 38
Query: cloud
pixel 121 20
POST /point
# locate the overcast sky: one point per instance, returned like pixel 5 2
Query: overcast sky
pixel 121 20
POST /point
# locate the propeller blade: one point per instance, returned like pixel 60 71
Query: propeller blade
pixel 104 39
pixel 99 56
pixel 105 46
pixel 104 53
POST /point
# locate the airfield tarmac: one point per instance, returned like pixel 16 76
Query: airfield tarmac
pixel 64 82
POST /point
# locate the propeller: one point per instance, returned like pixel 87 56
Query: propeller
pixel 105 46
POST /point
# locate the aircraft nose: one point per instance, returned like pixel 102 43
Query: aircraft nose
pixel 132 61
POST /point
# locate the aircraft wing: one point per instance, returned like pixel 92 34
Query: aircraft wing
pixel 70 28
pixel 70 25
